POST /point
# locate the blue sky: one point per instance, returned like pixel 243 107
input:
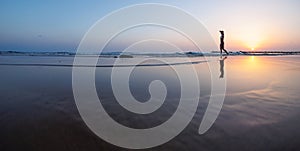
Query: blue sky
pixel 59 25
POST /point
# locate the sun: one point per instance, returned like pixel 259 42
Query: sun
pixel 251 37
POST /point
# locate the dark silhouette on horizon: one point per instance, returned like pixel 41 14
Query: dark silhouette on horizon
pixel 222 66
pixel 222 44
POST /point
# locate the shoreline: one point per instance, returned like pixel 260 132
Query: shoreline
pixel 134 54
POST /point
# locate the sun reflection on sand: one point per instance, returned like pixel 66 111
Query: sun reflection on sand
pixel 252 58
pixel 252 63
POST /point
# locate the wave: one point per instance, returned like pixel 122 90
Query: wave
pixel 147 54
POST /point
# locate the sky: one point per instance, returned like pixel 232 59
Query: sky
pixel 59 25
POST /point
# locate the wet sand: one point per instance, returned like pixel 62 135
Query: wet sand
pixel 260 112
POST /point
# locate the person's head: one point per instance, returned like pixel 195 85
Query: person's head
pixel 222 32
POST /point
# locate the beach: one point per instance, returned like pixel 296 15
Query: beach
pixel 260 111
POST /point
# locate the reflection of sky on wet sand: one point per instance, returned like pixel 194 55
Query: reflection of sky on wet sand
pixel 260 112
pixel 262 99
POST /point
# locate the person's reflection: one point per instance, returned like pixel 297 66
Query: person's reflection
pixel 222 59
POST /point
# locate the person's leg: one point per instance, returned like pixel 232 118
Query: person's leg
pixel 225 51
pixel 221 49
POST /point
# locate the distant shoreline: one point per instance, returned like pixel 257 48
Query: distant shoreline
pixel 155 54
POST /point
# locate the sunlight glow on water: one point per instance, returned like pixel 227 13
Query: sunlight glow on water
pixel 261 104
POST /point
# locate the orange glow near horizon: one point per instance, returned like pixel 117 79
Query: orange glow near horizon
pixel 251 38
pixel 255 35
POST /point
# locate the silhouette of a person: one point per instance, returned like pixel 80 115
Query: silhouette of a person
pixel 222 43
pixel 222 66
